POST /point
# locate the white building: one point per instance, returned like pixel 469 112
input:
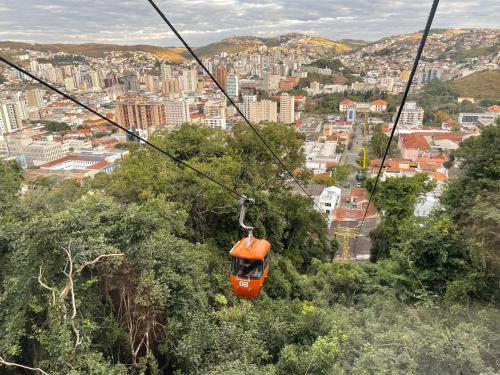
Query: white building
pixel 287 109
pixel 189 80
pixel 165 71
pixel 329 200
pixel 41 152
pixel 216 122
pixel 247 101
pixel 13 112
pixel 177 112
pixel 412 116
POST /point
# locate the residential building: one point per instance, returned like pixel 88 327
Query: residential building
pixel 170 87
pixel 35 98
pixel 13 112
pixel 329 200
pixel 215 122
pixel 177 112
pixel 412 116
pixel 41 152
pixel 287 109
pixel 140 113
pixel 221 76
pixel 189 80
pixel 165 71
pixel 247 101
pixel 428 74
pixel 265 110
pixel 232 85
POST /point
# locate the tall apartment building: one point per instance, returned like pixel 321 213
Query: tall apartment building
pixel 412 116
pixel 428 74
pixel 170 87
pixel 177 112
pixel 287 109
pixel 247 101
pixel 95 80
pixel 232 85
pixel 35 98
pixel 13 112
pixel 165 71
pixel 138 113
pixel 221 75
pixel 189 80
pixel 265 110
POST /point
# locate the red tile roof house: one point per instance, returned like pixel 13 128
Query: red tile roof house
pixel 344 104
pixel 413 146
pixel 378 105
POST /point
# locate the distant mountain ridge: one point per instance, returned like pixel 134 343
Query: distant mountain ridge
pixel 97 49
pixel 235 44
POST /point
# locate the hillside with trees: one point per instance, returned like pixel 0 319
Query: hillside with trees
pixel 485 84
pixel 128 273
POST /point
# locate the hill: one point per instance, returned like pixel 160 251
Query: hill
pixel 235 44
pixel 98 50
pixel 485 84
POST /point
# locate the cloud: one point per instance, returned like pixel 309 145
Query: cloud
pixel 202 22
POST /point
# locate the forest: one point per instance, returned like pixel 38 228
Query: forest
pixel 128 273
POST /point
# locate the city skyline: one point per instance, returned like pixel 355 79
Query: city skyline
pixel 135 22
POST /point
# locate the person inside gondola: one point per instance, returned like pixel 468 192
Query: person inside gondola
pixel 249 268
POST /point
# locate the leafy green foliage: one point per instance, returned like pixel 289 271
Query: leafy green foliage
pixel 54 126
pixel 378 143
pixel 162 304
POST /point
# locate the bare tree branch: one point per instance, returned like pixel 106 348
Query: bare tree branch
pixel 52 290
pixel 11 364
pixel 86 264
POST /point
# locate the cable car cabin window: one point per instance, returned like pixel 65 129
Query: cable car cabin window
pixel 266 260
pixel 246 268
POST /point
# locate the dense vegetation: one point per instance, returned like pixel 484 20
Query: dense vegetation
pixel 128 273
pixel 479 85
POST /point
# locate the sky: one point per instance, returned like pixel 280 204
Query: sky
pixel 206 21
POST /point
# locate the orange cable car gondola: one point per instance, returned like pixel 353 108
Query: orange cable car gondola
pixel 249 261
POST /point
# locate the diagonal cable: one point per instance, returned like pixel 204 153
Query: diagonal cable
pixel 421 46
pixel 231 101
pixel 76 101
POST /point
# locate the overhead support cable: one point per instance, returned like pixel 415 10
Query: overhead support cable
pixel 129 132
pixel 231 101
pixel 420 50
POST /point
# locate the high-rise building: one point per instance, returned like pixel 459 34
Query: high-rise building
pixel 149 82
pixel 95 81
pixel 232 85
pixel 139 113
pixel 216 122
pixel 165 71
pixel 170 87
pixel 35 98
pixel 221 76
pixel 69 83
pixel 131 83
pixel 265 110
pixel 428 74
pixel 412 116
pixel 177 112
pixel 247 101
pixel 287 109
pixel 13 112
pixel 189 80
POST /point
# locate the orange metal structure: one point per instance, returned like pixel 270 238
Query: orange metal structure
pixel 249 267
